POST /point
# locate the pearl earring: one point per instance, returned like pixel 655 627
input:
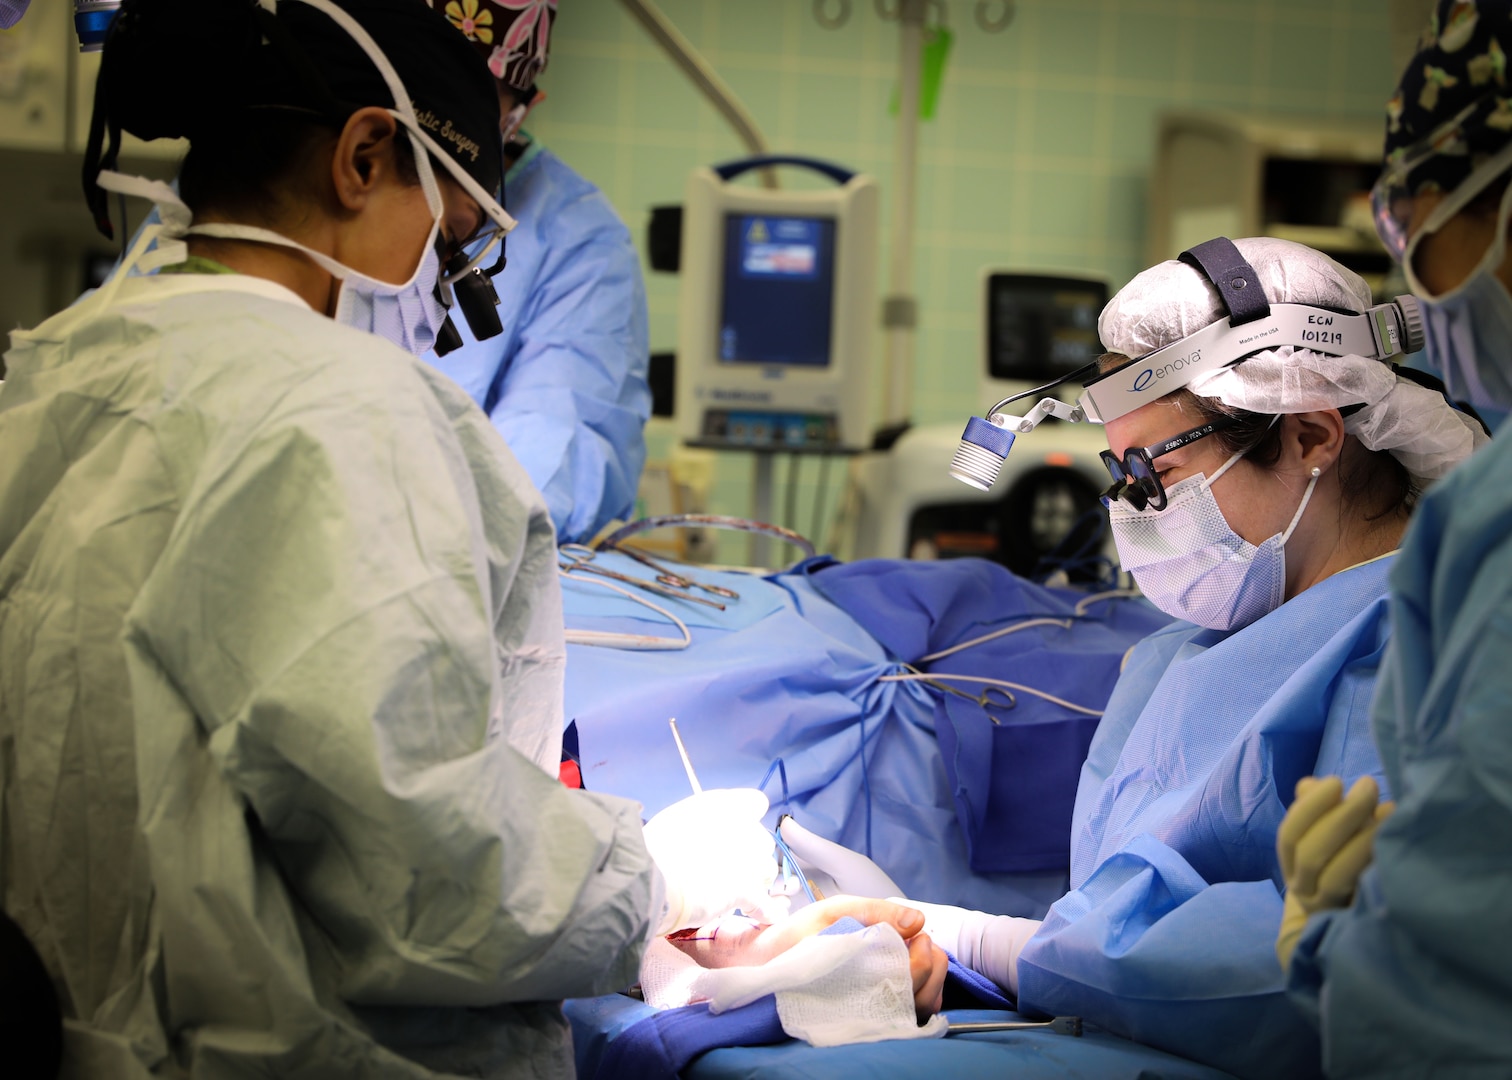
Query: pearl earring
pixel 1317 472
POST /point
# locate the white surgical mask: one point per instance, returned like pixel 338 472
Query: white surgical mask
pixel 1191 564
pixel 409 315
pixel 1469 328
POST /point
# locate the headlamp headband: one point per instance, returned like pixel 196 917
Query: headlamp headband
pixel 1254 325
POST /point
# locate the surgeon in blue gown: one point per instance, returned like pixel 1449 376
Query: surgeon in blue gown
pixel 565 383
pixel 1274 548
pixel 1415 978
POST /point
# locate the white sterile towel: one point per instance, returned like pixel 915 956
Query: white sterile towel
pixel 831 989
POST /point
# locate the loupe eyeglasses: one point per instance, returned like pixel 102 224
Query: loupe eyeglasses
pixel 1136 480
pixel 465 282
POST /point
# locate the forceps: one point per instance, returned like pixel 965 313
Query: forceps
pixel 991 697
pixel 669 577
pixel 581 558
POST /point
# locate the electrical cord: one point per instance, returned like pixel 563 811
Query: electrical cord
pixel 612 639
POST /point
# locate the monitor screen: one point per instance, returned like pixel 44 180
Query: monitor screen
pixel 777 305
pixel 1041 328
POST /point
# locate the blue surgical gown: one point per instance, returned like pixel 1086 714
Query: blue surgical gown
pixel 280 705
pixel 1416 978
pixel 565 383
pixel 1168 935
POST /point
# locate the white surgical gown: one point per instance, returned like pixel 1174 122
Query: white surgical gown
pixel 280 691
pixel 565 383
pixel 1416 978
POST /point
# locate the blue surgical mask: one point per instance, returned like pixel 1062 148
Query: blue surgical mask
pixel 1469 328
pixel 1469 336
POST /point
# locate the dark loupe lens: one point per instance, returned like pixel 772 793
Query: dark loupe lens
pixel 1143 479
pixel 476 297
pixel 1113 465
pixel 447 338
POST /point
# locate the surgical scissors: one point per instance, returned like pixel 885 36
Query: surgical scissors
pixel 670 577
pixel 580 557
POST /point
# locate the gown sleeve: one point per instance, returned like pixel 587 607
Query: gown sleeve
pixel 572 400
pixel 1415 978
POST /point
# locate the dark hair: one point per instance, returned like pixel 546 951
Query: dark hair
pixel 266 163
pixel 281 83
pixel 1372 481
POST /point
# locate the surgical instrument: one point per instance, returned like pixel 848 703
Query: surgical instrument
pixel 670 577
pixel 581 558
pixel 1061 1025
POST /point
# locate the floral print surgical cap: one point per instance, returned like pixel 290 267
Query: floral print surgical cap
pixel 514 36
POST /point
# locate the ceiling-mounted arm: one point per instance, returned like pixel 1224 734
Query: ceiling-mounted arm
pixel 696 68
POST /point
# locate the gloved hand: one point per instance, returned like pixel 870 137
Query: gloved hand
pixel 715 856
pixel 734 942
pixel 987 944
pixel 852 873
pixel 1324 844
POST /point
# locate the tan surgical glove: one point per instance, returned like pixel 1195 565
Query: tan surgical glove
pixel 1325 843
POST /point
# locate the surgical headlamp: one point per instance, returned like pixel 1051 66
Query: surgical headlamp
pixel 1254 325
pixel 92 18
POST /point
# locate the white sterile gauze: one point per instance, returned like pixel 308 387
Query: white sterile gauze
pixel 1192 565
pixel 831 989
pixel 716 856
pixel 1413 423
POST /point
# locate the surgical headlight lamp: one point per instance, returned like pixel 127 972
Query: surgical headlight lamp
pixel 92 18
pixel 1254 325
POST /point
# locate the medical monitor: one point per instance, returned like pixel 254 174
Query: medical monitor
pixel 784 265
pixel 777 313
pixel 1037 327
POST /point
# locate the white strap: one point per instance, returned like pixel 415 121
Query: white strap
pixel 229 231
pixel 175 212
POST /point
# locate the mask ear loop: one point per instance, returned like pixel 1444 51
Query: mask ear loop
pixel 1229 464
pixel 1306 498
pixel 1447 210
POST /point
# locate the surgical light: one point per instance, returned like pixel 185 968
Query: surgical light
pixel 92 19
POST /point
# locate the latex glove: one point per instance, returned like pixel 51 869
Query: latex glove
pixel 853 873
pixel 715 855
pixel 737 942
pixel 1324 844
pixel 987 944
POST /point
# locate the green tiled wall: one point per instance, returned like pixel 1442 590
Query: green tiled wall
pixel 1039 154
